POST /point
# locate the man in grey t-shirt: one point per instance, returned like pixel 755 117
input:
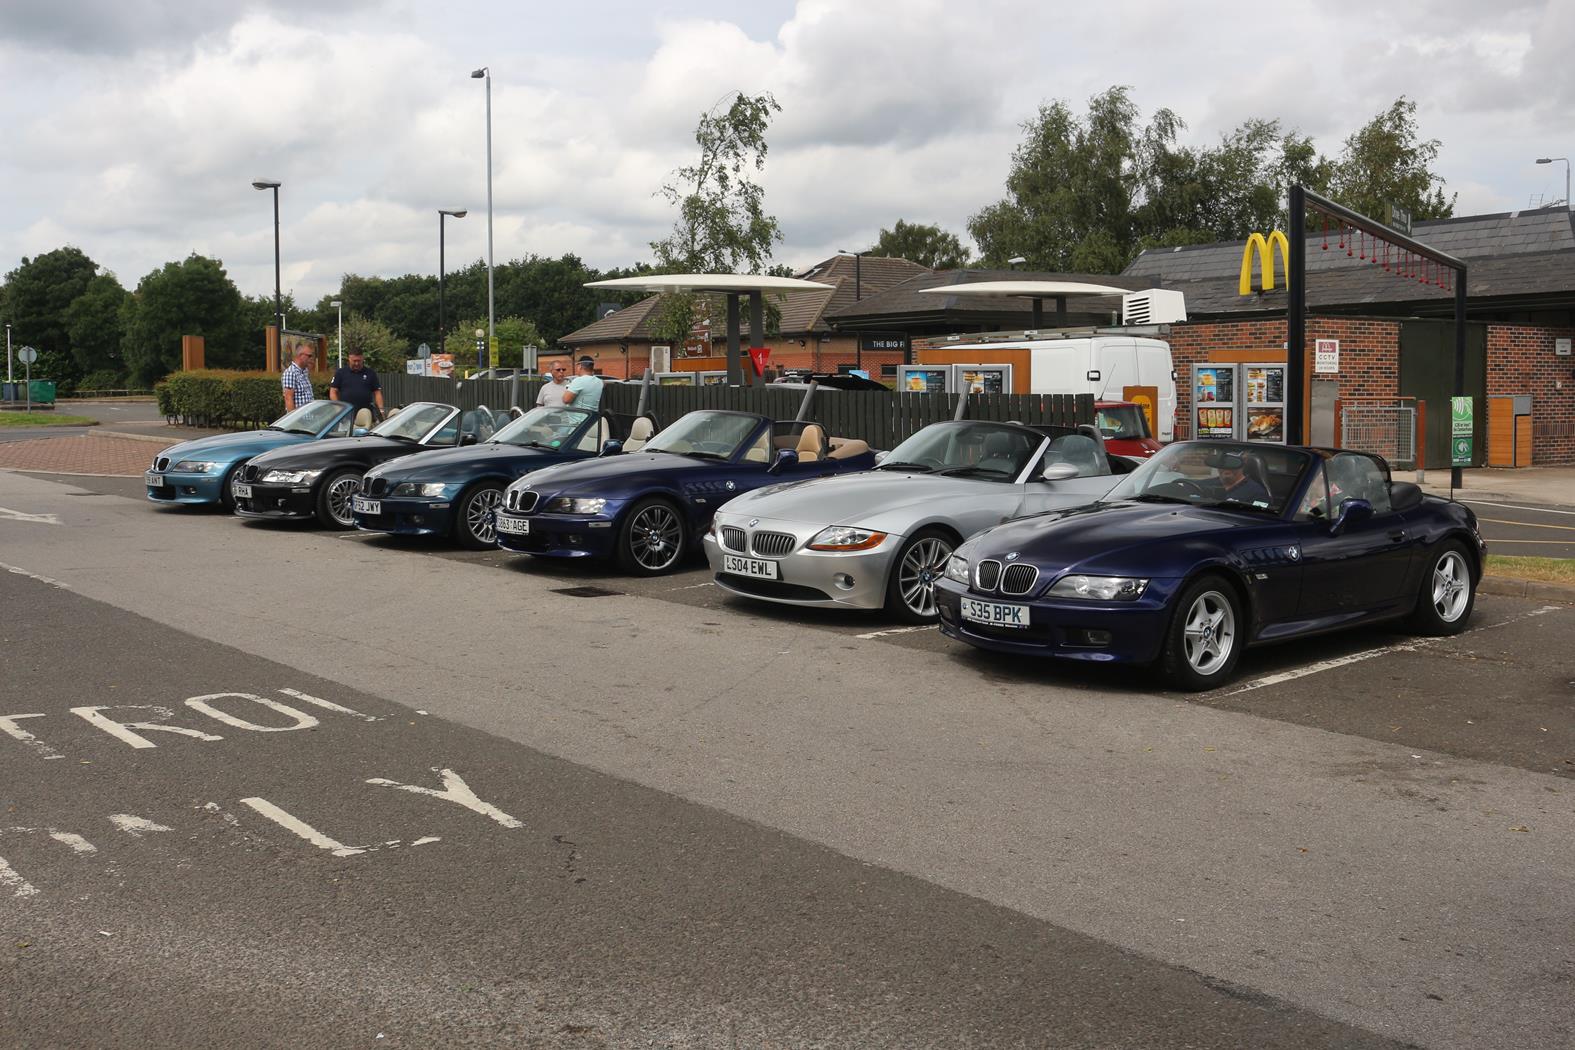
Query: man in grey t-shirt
pixel 552 391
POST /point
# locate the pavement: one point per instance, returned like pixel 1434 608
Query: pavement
pixel 792 829
pixel 1553 486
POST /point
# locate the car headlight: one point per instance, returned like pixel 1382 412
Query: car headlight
pixel 957 569
pixel 196 466
pixel 846 538
pixel 574 505
pixel 433 489
pixel 289 477
pixel 1099 588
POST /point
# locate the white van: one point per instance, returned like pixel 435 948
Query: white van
pixel 1101 365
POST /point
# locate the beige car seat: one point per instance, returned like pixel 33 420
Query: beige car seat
pixel 810 443
pixel 847 448
pixel 363 418
pixel 640 431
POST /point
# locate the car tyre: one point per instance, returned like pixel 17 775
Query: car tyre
pixel 333 499
pixel 919 564
pixel 227 488
pixel 1206 635
pixel 652 538
pixel 1447 595
pixel 474 524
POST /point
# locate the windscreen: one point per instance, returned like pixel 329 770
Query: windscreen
pixel 309 418
pixel 981 449
pixel 544 427
pixel 709 435
pixel 1227 474
pixel 1125 422
pixel 413 422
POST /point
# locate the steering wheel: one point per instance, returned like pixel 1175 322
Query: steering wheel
pixel 1186 487
pixel 721 448
pixel 933 462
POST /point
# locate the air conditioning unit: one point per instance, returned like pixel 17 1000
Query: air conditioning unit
pixel 1153 306
pixel 661 358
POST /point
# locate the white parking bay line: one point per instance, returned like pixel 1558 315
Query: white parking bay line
pixel 1512 506
pixel 898 630
pixel 17 515
pixel 1354 658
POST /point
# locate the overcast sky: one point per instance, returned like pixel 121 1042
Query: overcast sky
pixel 133 128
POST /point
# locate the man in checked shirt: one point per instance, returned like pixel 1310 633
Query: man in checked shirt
pixel 297 381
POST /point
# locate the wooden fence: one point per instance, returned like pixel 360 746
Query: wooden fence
pixel 880 418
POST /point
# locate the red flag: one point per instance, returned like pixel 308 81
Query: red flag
pixel 758 357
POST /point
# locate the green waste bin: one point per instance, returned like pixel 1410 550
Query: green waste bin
pixel 41 391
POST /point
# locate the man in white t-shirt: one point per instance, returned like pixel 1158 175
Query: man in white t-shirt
pixel 552 391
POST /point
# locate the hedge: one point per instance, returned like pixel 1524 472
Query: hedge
pixel 217 398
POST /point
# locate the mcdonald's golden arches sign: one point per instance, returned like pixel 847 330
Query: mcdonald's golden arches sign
pixel 1264 247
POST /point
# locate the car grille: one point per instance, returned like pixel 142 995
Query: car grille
pixel 988 575
pixel 1019 579
pixel 161 463
pixel 774 544
pixel 376 487
pixel 252 472
pixel 773 588
pixel 524 502
pixel 733 538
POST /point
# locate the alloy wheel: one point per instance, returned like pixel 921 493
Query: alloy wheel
pixel 654 537
pixel 341 491
pixel 1451 586
pixel 479 518
pixel 1210 632
pixel 921 566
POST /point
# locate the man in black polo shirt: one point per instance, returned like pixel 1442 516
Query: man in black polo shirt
pixel 357 384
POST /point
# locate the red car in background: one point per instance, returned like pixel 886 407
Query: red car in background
pixel 1125 427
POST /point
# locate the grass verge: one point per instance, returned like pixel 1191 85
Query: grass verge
pixel 1542 570
pixel 45 419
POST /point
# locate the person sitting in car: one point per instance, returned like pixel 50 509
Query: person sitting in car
pixel 1238 486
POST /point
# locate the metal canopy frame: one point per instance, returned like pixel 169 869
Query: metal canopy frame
pixel 1034 291
pixel 1301 200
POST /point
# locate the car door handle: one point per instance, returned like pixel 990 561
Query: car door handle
pixel 1397 535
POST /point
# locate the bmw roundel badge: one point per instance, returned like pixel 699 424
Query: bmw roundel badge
pixel 730 486
pixel 1294 553
pixel 753 522
pixel 1012 556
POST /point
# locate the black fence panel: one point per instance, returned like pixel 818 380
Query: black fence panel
pixel 880 418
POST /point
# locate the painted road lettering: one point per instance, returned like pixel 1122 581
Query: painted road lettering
pixel 453 789
pixel 157 719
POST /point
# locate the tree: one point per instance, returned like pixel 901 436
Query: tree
pixel 514 334
pixel 385 350
pixel 1383 163
pixel 722 223
pixel 93 325
pixel 37 294
pixel 926 245
pixel 191 297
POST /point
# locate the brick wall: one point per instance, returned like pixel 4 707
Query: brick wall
pixel 1521 361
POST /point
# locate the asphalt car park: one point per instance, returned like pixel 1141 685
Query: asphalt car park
pixel 793 828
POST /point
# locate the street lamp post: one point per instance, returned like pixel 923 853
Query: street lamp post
pixel 444 213
pixel 858 296
pixel 9 378
pixel 485 73
pixel 339 305
pixel 278 300
pixel 1566 160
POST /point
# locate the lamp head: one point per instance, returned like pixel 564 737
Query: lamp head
pixel 1544 160
pixel 336 304
pixel 266 184
pixel 478 73
pixel 460 214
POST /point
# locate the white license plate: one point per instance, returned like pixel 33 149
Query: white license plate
pixel 242 491
pixel 154 481
pixel 366 506
pixel 513 526
pixel 995 614
pixel 764 570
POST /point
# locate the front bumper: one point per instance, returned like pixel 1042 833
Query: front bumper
pixel 853 580
pixel 1097 632
pixel 559 535
pixel 408 517
pixel 190 489
pixel 278 501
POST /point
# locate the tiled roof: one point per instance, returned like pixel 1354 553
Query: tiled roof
pixel 1511 254
pixel 905 300
pixel 802 312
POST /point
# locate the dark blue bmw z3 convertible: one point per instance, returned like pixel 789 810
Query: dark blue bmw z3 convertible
pixel 1210 547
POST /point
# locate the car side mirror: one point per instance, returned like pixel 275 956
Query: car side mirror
pixel 466 439
pixel 1058 472
pixel 785 458
pixel 1403 495
pixel 1352 512
pixel 612 447
pixel 881 455
pixel 357 432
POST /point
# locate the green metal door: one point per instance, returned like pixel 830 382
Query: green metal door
pixel 1427 373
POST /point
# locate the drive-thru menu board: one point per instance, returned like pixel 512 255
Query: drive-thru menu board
pixel 1214 401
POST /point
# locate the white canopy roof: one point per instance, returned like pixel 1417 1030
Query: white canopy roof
pixel 708 282
pixel 1027 289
